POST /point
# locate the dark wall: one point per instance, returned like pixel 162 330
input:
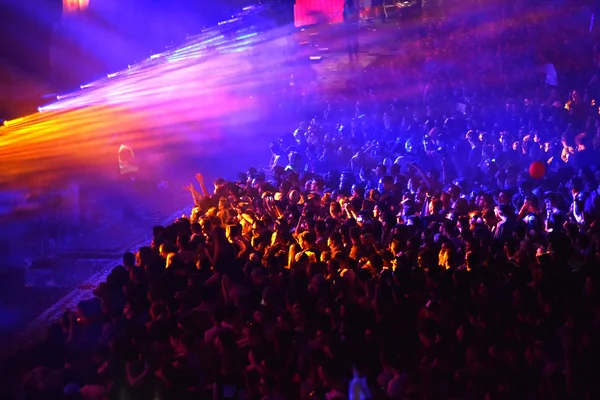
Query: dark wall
pixel 25 28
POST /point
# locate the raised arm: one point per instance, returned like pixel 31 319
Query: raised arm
pixel 195 195
pixel 350 213
pixel 200 179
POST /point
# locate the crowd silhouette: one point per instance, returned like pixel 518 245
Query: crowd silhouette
pixel 396 247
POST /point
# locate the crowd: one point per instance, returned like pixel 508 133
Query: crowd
pixel 395 248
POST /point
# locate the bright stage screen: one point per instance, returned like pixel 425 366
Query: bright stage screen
pixel 310 12
pixel 70 6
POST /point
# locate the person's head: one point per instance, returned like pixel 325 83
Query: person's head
pixel 183 241
pixel 233 231
pixel 268 384
pixel 335 209
pixel 435 207
pixel 367 239
pixel 551 202
pixel 486 201
pixel 321 228
pixel 186 342
pixel 413 184
pixel 346 180
pixel 276 149
pixel 306 240
pixel 386 184
pixel 195 228
pixel 505 140
pixel 206 226
pixel 317 185
pixel 472 260
pixel 129 310
pixel 128 260
pixel 576 186
pixel 365 174
pixel 554 221
pixel 335 240
pixel 504 197
pixel 72 392
pixel 427 259
pixel 489 218
pixel 223 204
pixel 295 160
pixel 446 257
pixel 164 250
pixel 464 333
pixel 409 147
pixel 581 142
pixel 473 138
pixel 219 184
pixel 144 256
pixel 158 311
pixel 428 143
pixel 359 369
pixel 358 191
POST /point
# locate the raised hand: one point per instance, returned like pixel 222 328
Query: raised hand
pixel 199 177
pixel 189 187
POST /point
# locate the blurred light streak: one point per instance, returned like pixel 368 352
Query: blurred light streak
pixel 246 36
pixel 228 21
pixel 149 104
pixel 13 121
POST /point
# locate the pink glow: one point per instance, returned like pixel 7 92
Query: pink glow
pixel 310 12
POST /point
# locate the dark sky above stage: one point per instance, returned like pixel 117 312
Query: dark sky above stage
pixel 26 25
pixel 25 28
pixel 108 37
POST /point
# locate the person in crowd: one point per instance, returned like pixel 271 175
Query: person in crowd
pixel 351 22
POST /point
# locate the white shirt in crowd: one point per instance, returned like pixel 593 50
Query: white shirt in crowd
pixel 551 75
pixel 359 390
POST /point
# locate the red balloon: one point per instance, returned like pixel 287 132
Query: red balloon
pixel 537 170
